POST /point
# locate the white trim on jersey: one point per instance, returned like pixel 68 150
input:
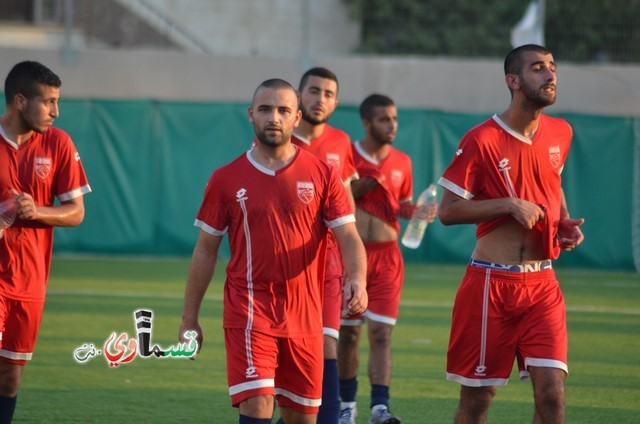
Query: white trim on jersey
pixel 340 221
pixel 510 131
pixel 251 385
pixel 454 188
pixel 75 193
pixel 331 332
pixel 209 229
pixel 15 355
pixel 298 399
pixel 364 154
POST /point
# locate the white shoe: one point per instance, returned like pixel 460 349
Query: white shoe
pixel 348 413
pixel 383 416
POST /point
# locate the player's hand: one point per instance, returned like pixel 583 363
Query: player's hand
pixel 569 233
pixel 356 295
pixel 526 213
pixel 184 327
pixel 427 212
pixel 27 209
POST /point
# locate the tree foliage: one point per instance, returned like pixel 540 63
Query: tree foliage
pixel 577 30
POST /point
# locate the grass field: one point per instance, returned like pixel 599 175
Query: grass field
pixel 88 299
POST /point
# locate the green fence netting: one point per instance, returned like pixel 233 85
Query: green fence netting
pixel 148 163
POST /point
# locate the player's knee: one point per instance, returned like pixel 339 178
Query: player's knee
pixel 380 336
pixel 550 394
pixel 349 335
pixel 475 401
pixel 9 381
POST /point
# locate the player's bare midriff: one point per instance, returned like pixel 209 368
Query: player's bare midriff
pixel 372 229
pixel 510 243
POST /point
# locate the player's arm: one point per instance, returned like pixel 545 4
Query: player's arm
pixel 363 185
pixel 354 261
pixel 68 214
pixel 454 209
pixel 569 233
pixel 203 263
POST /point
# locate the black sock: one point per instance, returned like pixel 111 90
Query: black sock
pixel 7 407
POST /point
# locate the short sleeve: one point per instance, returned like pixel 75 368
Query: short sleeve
pixel 336 207
pixel 71 181
pixel 212 216
pixel 463 176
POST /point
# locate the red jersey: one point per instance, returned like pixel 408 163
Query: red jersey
pixel 396 183
pixel 45 166
pixel 334 147
pixel 277 224
pixel 493 161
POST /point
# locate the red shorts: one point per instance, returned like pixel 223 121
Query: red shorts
pixel 502 315
pixel 19 323
pixel 385 276
pixel 288 368
pixel 332 297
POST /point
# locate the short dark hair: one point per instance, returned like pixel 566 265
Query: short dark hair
pixel 373 101
pixel 275 84
pixel 513 62
pixel 24 78
pixel 317 72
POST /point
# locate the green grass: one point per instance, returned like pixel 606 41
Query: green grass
pixel 91 298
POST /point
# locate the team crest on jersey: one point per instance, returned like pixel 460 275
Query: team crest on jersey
pixel 396 177
pixel 554 156
pixel 306 192
pixel 43 167
pixel 333 159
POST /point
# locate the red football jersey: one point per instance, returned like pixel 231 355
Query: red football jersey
pixel 277 224
pixel 334 147
pixel 396 183
pixel 493 161
pixel 46 166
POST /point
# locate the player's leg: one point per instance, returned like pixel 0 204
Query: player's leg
pixel 348 362
pixel 384 286
pixel 548 393
pixel 256 410
pixel 252 360
pixel 298 379
pixel 19 324
pixel 331 306
pixel 474 404
pixel 10 375
pixel 543 349
pixel 483 339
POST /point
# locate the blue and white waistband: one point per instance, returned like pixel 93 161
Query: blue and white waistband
pixel 531 267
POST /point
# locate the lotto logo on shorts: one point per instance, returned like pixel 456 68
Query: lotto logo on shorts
pixel 481 370
pixel 306 191
pixel 251 372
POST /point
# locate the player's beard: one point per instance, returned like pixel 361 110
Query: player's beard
pixel 276 140
pixel 381 137
pixel 27 124
pixel 310 118
pixel 538 96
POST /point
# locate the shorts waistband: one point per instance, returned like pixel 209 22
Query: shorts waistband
pixel 532 267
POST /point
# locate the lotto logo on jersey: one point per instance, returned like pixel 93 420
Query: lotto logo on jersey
pixel 306 192
pixel 333 159
pixel 43 167
pixel 554 156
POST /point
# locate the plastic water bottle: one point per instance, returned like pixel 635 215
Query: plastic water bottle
pixel 8 209
pixel 417 225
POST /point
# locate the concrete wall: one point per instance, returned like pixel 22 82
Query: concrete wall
pixel 431 83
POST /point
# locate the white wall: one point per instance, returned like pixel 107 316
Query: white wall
pixel 450 85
